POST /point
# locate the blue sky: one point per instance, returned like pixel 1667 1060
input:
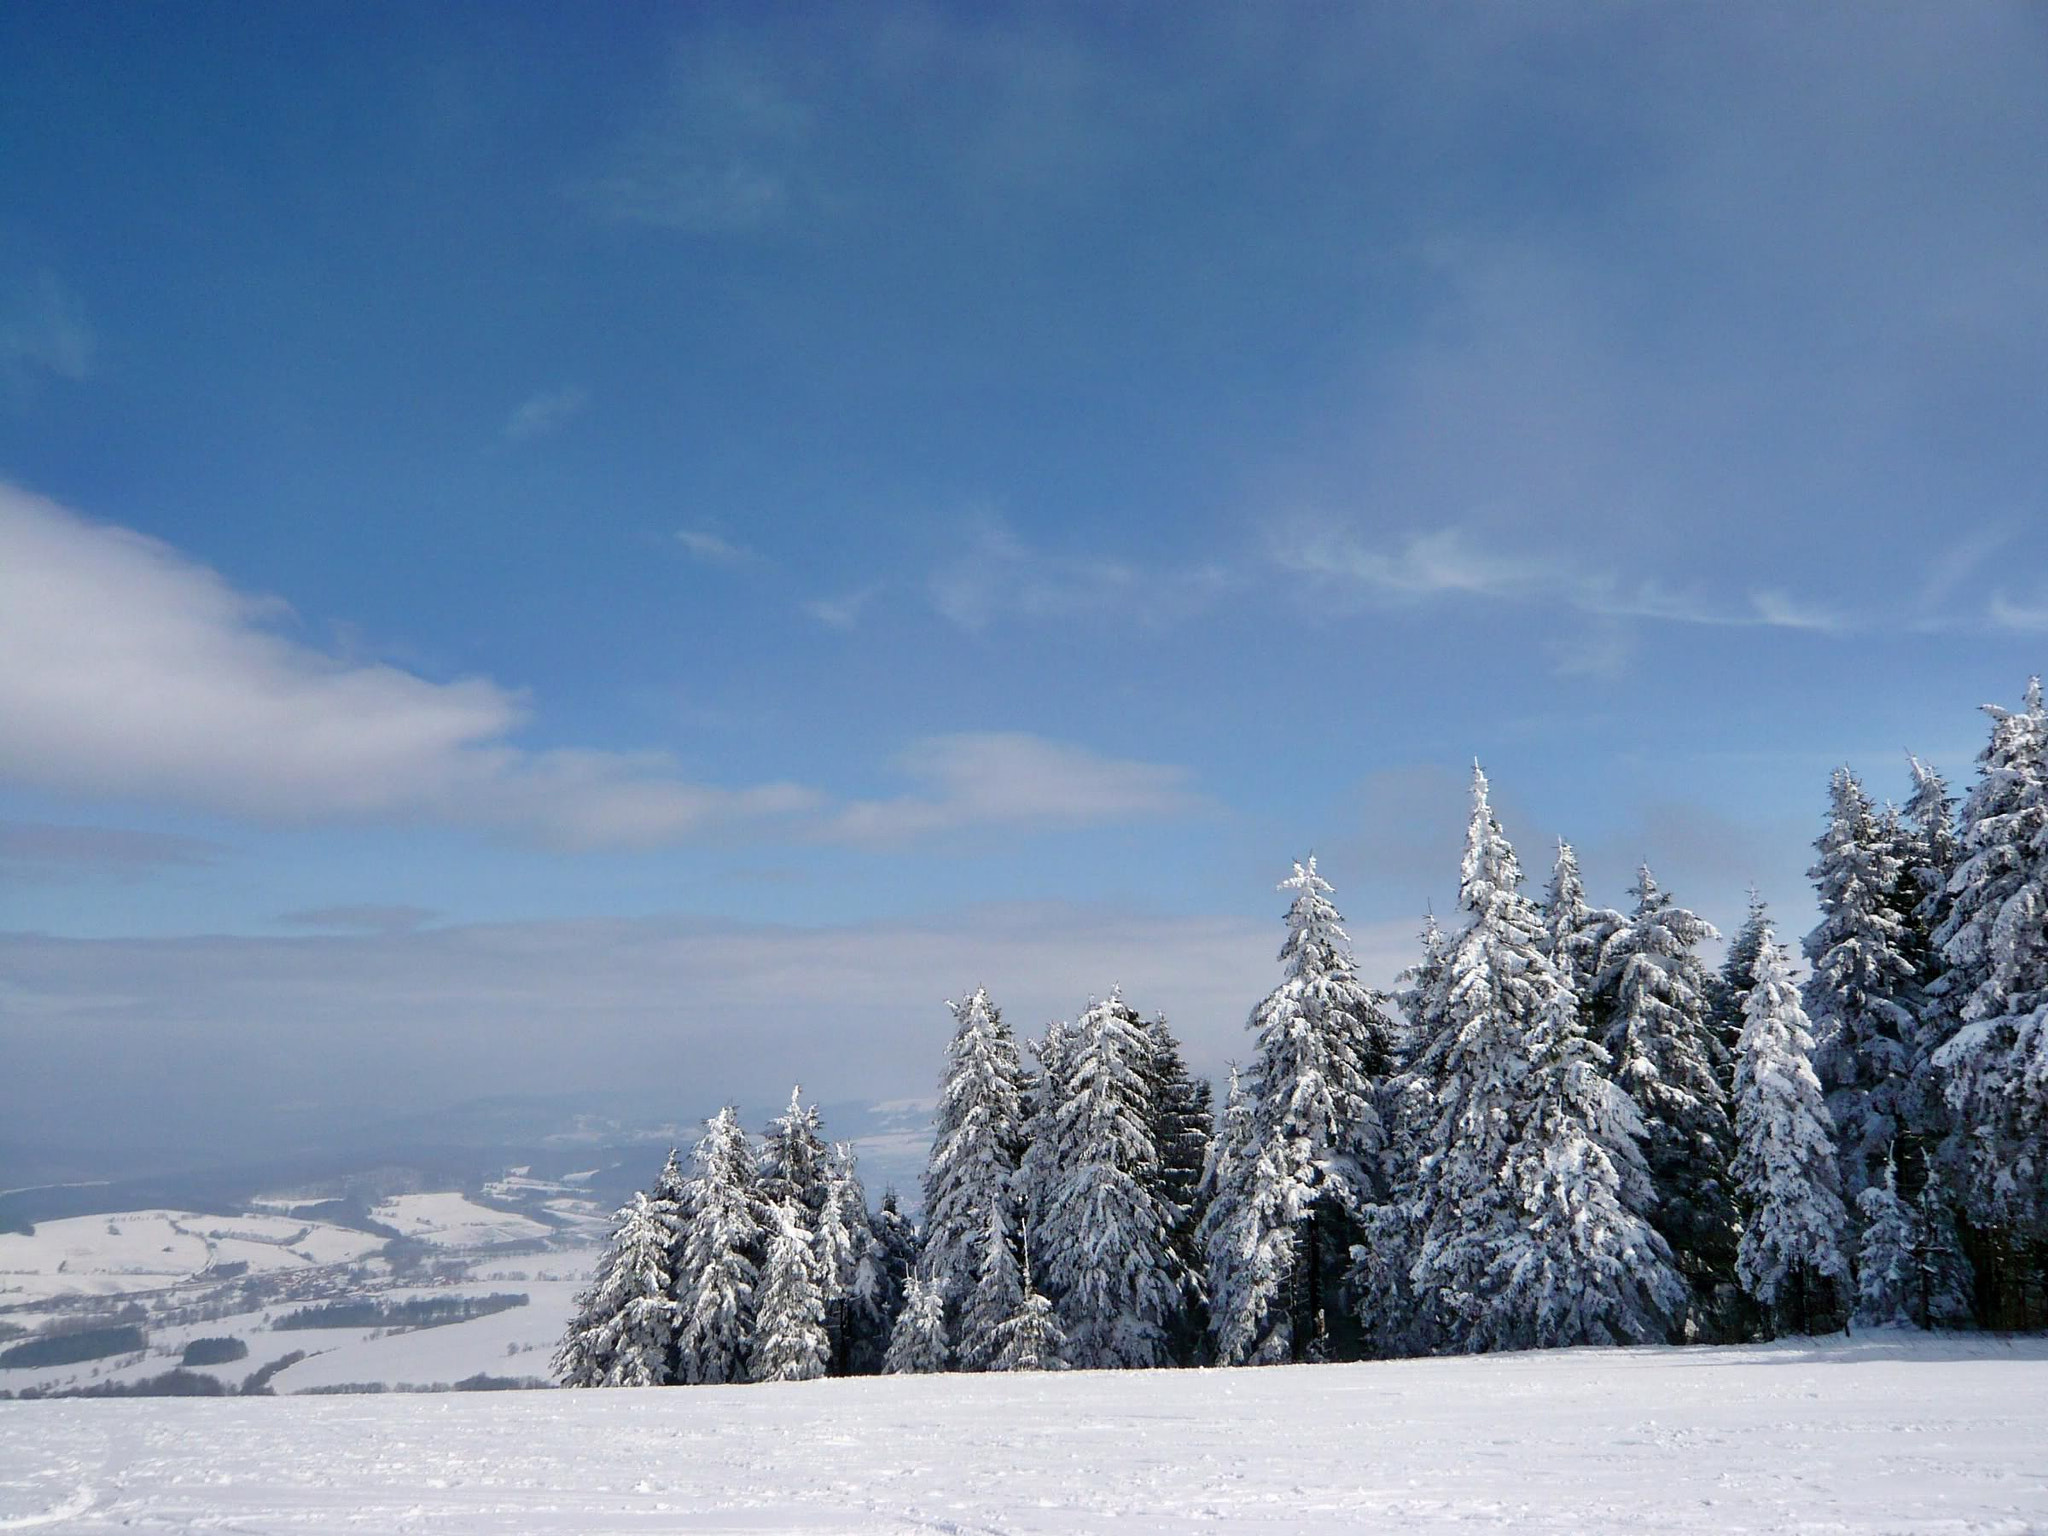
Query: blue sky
pixel 955 494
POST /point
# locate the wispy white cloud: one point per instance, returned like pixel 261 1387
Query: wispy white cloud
pixel 126 669
pixel 709 548
pixel 43 334
pixel 2018 617
pixel 998 576
pixel 1014 779
pixel 546 412
pixel 719 155
pixel 1455 562
pixel 844 611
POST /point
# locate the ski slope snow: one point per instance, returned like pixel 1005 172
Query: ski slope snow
pixel 1892 1433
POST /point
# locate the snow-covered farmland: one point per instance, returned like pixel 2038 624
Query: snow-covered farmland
pixel 130 1251
pixel 1891 1433
pixel 450 1220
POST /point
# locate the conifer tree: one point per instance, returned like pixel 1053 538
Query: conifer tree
pixel 918 1345
pixel 1995 943
pixel 1649 1002
pixel 624 1325
pixel 1324 1049
pixel 1791 1257
pixel 1037 1171
pixel 789 1340
pixel 1181 1130
pixel 1887 1257
pixel 795 1161
pixel 1574 931
pixel 848 1267
pixel 1945 1278
pixel 1106 1242
pixel 1933 852
pixel 1526 1130
pixel 1862 995
pixel 1730 988
pixel 979 1137
pixel 1030 1339
pixel 1247 1241
pixel 998 1293
pixel 722 1247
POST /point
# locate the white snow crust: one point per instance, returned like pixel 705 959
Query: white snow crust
pixel 1888 1432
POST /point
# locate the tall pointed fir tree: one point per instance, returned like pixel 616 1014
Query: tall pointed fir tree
pixel 998 1292
pixel 1995 943
pixel 1037 1169
pixel 1791 1259
pixel 849 1263
pixel 1933 853
pixel 1531 1174
pixel 1862 995
pixel 795 1159
pixel 1729 989
pixel 918 1345
pixel 1648 1004
pixel 789 1341
pixel 1574 930
pixel 1105 1248
pixel 1887 1257
pixel 1248 1251
pixel 1181 1112
pixel 723 1246
pixel 624 1327
pixel 1301 1199
pixel 973 1166
pixel 899 1246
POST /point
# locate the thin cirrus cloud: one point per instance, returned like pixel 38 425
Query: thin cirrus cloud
pixel 997 576
pixel 43 334
pixel 1009 778
pixel 708 548
pixel 546 412
pixel 1454 562
pixel 129 670
pixel 53 851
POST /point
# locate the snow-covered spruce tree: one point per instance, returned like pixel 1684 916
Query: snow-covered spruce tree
pixel 1932 854
pixel 1648 1005
pixel 900 1246
pixel 1945 1280
pixel 1324 1049
pixel 1181 1111
pixel 1791 1257
pixel 1046 1089
pixel 1108 1262
pixel 1574 931
pixel 849 1268
pixel 1030 1339
pixel 918 1345
pixel 978 1138
pixel 1995 943
pixel 789 1342
pixel 1247 1241
pixel 1526 1230
pixel 624 1325
pixel 722 1249
pixel 998 1293
pixel 1863 993
pixel 1887 1257
pixel 794 1161
pixel 1729 989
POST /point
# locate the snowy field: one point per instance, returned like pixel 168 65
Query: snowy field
pixel 1891 1434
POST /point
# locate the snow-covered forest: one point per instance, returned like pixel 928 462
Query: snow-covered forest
pixel 1562 1128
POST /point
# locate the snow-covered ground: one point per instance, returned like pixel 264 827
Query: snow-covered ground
pixel 450 1220
pixel 1891 1433
pixel 131 1251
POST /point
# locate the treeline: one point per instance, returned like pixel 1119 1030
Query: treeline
pixel 414 1312
pixel 1561 1129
